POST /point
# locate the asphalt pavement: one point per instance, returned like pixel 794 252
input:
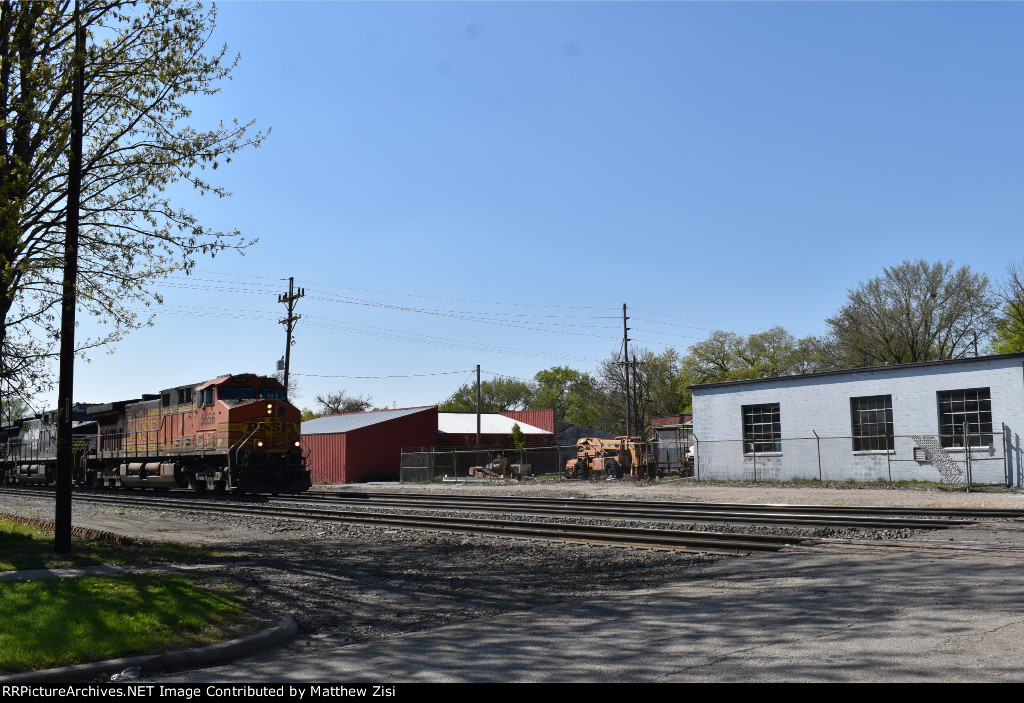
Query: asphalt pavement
pixel 800 615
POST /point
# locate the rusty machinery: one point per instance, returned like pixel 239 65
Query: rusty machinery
pixel 612 458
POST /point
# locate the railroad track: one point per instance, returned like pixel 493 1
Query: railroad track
pixel 705 542
pixel 868 517
pixel 359 509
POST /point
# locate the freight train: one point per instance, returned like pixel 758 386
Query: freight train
pixel 235 433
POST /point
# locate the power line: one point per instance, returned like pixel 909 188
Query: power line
pixel 407 375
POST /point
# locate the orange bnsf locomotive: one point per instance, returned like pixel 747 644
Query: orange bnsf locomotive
pixel 235 433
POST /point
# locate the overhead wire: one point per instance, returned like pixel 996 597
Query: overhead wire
pixel 548 323
pixel 404 375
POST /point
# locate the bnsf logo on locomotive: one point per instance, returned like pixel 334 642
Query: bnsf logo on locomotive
pixel 272 426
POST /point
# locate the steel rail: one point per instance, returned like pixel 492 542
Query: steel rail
pixel 613 510
pixel 628 510
pixel 794 508
pixel 704 542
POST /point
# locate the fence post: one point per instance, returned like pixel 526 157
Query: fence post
pixel 888 457
pixel 696 458
pixel 1006 458
pixel 967 453
pixel 753 448
pixel 817 441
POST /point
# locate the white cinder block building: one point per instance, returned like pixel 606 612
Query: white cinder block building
pixel 906 422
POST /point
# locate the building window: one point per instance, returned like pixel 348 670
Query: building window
pixel 965 412
pixel 762 428
pixel 871 419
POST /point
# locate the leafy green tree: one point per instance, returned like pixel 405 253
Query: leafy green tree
pixel 1009 334
pixel 913 312
pixel 497 395
pixel 727 356
pixel 570 393
pixel 13 408
pixel 145 65
pixel 714 359
pixel 517 437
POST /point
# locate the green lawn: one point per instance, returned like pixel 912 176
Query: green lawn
pixel 52 622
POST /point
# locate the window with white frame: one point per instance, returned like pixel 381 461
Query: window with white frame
pixel 762 428
pixel 871 423
pixel 965 417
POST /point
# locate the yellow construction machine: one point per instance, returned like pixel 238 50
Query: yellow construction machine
pixel 612 458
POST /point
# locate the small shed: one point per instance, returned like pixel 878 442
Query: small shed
pixel 365 446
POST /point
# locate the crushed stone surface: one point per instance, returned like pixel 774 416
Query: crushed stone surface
pixel 352 583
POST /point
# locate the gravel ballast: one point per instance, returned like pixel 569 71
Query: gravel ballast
pixel 351 583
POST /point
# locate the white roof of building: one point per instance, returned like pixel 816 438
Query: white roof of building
pixel 354 421
pixel 465 423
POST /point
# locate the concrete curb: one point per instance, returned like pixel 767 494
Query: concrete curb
pixel 217 653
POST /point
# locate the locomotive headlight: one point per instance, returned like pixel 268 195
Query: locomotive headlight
pixel 298 444
pixel 270 408
pixel 259 443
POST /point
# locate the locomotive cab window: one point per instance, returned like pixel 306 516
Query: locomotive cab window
pixel 206 397
pixel 237 393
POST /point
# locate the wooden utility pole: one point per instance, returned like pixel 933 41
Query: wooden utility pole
pixel 289 323
pixel 625 367
pixel 66 384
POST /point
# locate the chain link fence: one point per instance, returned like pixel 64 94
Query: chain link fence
pixel 890 458
pixel 429 464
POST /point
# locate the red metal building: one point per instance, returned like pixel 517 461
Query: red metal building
pixel 459 430
pixel 365 446
pixel 544 419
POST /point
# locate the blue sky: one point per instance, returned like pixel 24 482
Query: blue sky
pixel 536 165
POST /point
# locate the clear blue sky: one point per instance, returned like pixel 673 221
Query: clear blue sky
pixel 537 165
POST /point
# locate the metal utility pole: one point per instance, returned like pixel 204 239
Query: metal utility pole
pixel 478 406
pixel 289 323
pixel 66 385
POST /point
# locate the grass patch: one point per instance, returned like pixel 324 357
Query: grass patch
pixel 30 547
pixel 54 622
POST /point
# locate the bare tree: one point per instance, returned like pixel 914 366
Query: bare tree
pixel 913 312
pixel 654 389
pixel 339 403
